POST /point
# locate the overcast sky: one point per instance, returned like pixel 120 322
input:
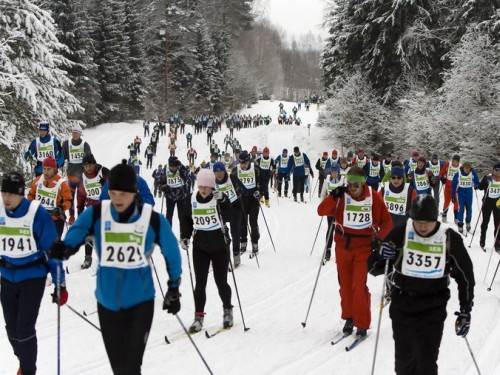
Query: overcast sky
pixel 295 16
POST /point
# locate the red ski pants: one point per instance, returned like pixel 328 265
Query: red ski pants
pixel 352 271
pixel 447 197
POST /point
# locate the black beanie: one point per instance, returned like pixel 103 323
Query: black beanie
pixel 13 183
pixel 88 158
pixel 122 177
pixel 296 149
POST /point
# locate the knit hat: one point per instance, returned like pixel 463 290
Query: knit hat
pixel 467 164
pixel 173 161
pixel 265 150
pixel 206 178
pixel 219 167
pixel 456 157
pixel 122 178
pixel 43 125
pixel 496 166
pixel 424 208
pixel 296 149
pixel 49 162
pixel 415 154
pixel 343 160
pixel 434 156
pixel 335 168
pixel 376 157
pixel 88 158
pixel 325 154
pixel 254 149
pixel 335 152
pixel 13 183
pixel 285 151
pixel 422 159
pixel 77 129
pixel 397 171
pixel 360 150
pixel 244 157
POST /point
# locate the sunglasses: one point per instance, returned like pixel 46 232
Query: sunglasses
pixel 355 185
pixel 396 178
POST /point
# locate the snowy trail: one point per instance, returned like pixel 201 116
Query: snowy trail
pixel 274 297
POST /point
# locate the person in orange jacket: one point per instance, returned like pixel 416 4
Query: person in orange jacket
pixel 448 171
pixel 53 193
pixel 362 219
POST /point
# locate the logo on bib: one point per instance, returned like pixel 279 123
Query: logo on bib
pixel 2 220
pixel 411 235
pixel 107 225
pixel 348 200
pixel 195 204
pixel 139 229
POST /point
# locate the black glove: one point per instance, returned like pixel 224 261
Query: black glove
pixel 375 244
pixel 388 250
pixel 338 192
pixel 462 324
pixel 443 180
pixel 59 250
pixel 56 211
pixel 172 302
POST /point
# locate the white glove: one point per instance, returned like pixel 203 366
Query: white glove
pixel 218 195
pixel 185 243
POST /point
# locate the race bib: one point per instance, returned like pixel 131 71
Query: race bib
pixel 205 216
pixel 494 190
pixel 357 215
pixel 421 181
pixel 16 234
pixel 174 179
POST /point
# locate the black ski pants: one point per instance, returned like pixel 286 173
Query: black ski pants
pixel 235 224
pixel 298 185
pixel 264 187
pixel 417 336
pixel 251 214
pixel 321 181
pixel 149 163
pixel 489 207
pixel 125 334
pixel 20 304
pixel 219 257
pixel 171 207
pixel 281 177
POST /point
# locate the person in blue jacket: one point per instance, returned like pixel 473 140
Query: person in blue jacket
pixel 26 235
pixel 282 172
pixel 297 165
pixel 142 188
pixel 125 233
pixel 44 146
pixel 461 188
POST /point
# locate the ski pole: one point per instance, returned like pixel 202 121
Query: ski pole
pixel 162 198
pixel 265 221
pixel 477 222
pixel 315 238
pixel 495 275
pixel 386 270
pixel 248 228
pixel 332 225
pixel 477 200
pixel 491 255
pixel 84 318
pixel 316 184
pixel 223 229
pixel 58 287
pixel 190 272
pixel 472 355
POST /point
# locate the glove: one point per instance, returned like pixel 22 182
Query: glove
pixel 29 158
pixel 387 250
pixel 453 198
pixel 256 194
pixel 410 176
pixel 185 243
pixel 462 324
pixel 59 250
pixel 218 196
pixel 64 296
pixel 338 192
pixel 443 180
pixel 172 302
pixel 56 211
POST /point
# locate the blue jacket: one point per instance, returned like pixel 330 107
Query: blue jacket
pixel 117 288
pixel 142 187
pixel 278 167
pixel 464 192
pixel 44 232
pixel 300 170
pixel 32 150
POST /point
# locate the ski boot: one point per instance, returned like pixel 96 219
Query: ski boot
pixel 262 199
pixel 255 250
pixel 328 255
pixel 444 217
pixel 267 203
pixel 302 197
pixel 286 194
pixel 348 326
pixel 237 260
pixel 227 318
pixel 467 227
pixel 295 198
pixel 279 194
pixel 361 332
pixel 197 324
pixel 87 262
pixel 243 247
pixel 482 240
pixel 460 227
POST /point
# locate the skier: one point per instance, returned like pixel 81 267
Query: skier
pixel 491 184
pixel 253 153
pixel 206 214
pixel 176 188
pixel 213 160
pixel 73 150
pixel 136 164
pixel 360 159
pixel 125 234
pixel 266 166
pixel 44 146
pixel 172 147
pixel 420 289
pixel 282 172
pixel 420 178
pixel 149 153
pixel 53 193
pixel 27 234
pixel 228 162
pixel 159 178
pixel 137 144
pixel 434 166
pixel 321 165
pixel 362 218
pixel 446 175
pixel 231 186
pixel 374 172
pixel 210 133
pixel 189 140
pixel 411 164
pixel 297 165
pixel 461 188
pixel 247 173
pixel 387 163
pixel 88 192
pixel 344 166
pixel 191 155
pixel 145 125
pixel 398 196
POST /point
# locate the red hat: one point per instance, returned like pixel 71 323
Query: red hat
pixel 415 154
pixel 325 153
pixel 254 148
pixel 335 152
pixel 49 162
pixel 265 150
pixel 422 159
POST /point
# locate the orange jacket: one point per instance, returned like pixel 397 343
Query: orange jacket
pixel 63 195
pixel 381 219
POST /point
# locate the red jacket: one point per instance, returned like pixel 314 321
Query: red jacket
pixel 381 219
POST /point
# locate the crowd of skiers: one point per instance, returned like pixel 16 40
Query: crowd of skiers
pixel 382 215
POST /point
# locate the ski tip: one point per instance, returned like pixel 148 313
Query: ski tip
pixel 246 329
pixel 346 349
pixel 166 340
pixel 67 270
pixel 84 313
pixel 207 335
pixel 489 289
pixel 303 325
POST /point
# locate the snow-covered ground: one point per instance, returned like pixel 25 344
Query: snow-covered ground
pixel 274 298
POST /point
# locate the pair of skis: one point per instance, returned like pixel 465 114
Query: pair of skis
pixel 207 334
pixel 357 340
